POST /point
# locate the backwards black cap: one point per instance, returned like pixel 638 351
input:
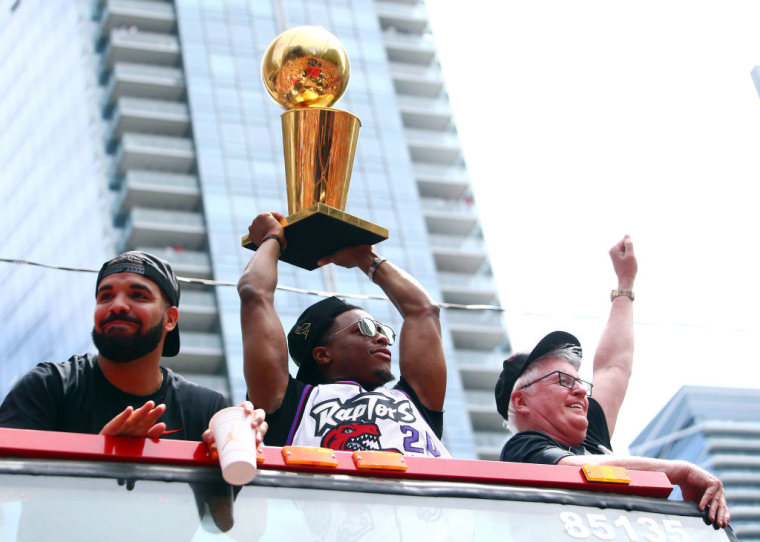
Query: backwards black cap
pixel 157 270
pixel 307 331
pixel 514 366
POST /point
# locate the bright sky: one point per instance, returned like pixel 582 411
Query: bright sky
pixel 582 121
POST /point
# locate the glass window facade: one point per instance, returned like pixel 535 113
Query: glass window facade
pixel 52 188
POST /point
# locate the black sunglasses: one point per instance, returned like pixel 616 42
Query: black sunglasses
pixel 369 328
pixel 567 381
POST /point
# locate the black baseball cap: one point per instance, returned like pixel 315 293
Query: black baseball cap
pixel 307 331
pixel 514 366
pixel 157 270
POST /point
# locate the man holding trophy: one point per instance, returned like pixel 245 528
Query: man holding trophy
pixel 338 399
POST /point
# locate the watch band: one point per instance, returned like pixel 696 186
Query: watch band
pixel 373 267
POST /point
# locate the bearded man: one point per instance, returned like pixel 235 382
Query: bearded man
pixel 122 390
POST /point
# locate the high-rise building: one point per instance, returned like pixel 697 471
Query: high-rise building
pixel 194 152
pixel 719 430
pixel 54 203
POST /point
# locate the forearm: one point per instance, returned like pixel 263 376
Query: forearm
pixel 616 345
pixel 422 360
pixel 674 470
pixel 265 355
pixel 696 483
pixel 404 291
pixel 259 279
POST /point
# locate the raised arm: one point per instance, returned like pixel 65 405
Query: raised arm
pixel 696 484
pixel 613 360
pixel 265 348
pixel 422 362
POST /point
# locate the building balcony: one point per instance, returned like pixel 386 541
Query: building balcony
pixel 467 281
pixel 736 461
pixel 410 19
pixel 425 120
pixel 159 153
pixel 743 496
pixel 480 377
pixel 484 417
pixel 413 81
pixel 141 115
pixel 476 330
pixel 144 81
pixel 480 360
pixel 199 353
pixel 160 228
pixel 441 181
pixel 747 445
pixel 194 264
pixel 748 531
pixel 425 113
pixel 433 147
pixel 449 217
pixel 467 289
pixel 409 49
pixel 159 190
pixel 457 254
pixel 745 513
pixel 743 480
pixel 197 312
pixel 142 15
pixel 125 45
pixel 488 444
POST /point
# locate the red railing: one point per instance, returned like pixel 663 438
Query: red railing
pixel 26 443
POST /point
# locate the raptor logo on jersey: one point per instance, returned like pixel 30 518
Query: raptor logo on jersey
pixel 354 436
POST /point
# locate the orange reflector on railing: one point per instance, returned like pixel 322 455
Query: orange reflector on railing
pixel 259 455
pixel 606 473
pixel 307 455
pixel 367 459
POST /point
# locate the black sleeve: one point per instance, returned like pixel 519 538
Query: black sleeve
pixel 533 447
pixel 33 401
pixel 434 418
pixel 281 420
pixel 597 432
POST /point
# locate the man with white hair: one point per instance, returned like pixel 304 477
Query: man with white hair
pixel 559 419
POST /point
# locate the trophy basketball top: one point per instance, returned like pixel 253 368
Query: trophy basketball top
pixel 305 66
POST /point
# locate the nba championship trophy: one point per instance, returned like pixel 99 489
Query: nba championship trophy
pixel 306 70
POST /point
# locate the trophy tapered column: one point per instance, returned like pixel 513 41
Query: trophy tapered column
pixel 319 145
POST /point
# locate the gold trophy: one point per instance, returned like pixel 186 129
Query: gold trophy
pixel 306 70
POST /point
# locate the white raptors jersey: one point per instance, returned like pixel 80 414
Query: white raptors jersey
pixel 344 416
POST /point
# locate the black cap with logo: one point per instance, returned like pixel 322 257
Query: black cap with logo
pixel 307 331
pixel 157 270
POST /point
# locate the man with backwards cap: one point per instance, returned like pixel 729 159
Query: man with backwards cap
pixel 337 399
pixel 556 419
pixel 122 390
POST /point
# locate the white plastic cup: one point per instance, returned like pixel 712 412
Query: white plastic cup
pixel 235 444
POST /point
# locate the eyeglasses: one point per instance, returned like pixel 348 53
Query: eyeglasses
pixel 369 328
pixel 567 381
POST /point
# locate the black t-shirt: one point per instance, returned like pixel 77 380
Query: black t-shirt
pixel 537 447
pixel 75 396
pixel 281 420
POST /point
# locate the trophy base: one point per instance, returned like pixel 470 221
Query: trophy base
pixel 321 230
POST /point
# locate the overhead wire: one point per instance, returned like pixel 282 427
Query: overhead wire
pixel 212 282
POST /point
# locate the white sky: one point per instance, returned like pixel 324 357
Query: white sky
pixel 585 120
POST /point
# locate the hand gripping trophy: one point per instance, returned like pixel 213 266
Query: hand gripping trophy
pixel 306 70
